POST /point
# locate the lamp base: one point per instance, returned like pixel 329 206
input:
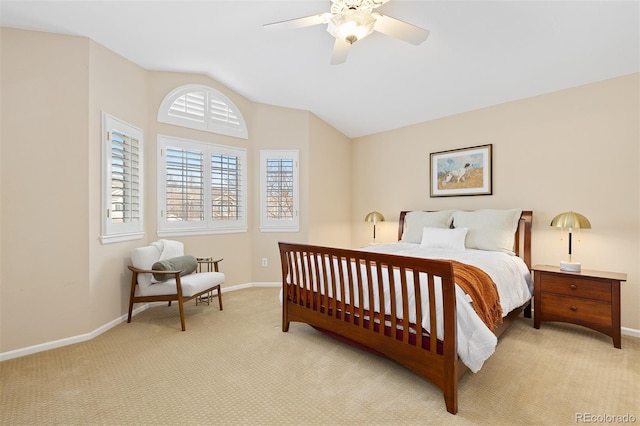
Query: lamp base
pixel 570 266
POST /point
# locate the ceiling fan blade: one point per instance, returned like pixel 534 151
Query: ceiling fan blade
pixel 293 24
pixel 399 29
pixel 340 51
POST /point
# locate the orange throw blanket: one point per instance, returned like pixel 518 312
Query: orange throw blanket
pixel 484 294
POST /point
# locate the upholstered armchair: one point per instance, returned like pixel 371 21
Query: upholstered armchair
pixel 162 273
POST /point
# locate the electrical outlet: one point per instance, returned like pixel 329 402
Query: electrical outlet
pixel 265 262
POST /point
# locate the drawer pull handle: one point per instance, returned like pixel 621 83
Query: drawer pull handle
pixel 573 286
pixel 574 308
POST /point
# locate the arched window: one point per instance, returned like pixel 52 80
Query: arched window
pixel 202 108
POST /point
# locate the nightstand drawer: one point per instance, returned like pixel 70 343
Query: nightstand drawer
pixel 576 310
pixel 577 287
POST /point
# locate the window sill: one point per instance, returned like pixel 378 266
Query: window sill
pixel 187 232
pixel 108 239
pixel 279 229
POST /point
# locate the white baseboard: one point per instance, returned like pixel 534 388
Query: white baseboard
pixel 98 331
pixel 630 331
pixel 267 284
pixel 69 340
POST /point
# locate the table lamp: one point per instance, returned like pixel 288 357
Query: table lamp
pixel 571 220
pixel 374 217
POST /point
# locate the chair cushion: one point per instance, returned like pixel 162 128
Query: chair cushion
pixel 186 264
pixel 192 284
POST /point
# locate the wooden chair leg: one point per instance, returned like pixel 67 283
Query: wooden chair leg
pixel 134 280
pixel 181 306
pixel 219 296
pixel 130 310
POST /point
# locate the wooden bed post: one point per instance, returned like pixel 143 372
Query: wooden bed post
pixel 285 317
pixel 525 251
pixel 284 262
pixel 450 385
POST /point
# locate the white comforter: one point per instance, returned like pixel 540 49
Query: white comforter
pixel 513 280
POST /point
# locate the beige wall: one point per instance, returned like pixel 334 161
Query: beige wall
pixel 45 294
pixel 577 149
pixel 59 282
pixel 329 180
pixel 119 88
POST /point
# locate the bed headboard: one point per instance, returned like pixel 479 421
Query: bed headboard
pixel 522 236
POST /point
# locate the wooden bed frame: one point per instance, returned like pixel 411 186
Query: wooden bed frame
pixel 312 273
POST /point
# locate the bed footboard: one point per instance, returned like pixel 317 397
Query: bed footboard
pixel 364 297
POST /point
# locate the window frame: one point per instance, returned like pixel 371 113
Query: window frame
pixel 208 225
pixel 133 230
pixel 279 225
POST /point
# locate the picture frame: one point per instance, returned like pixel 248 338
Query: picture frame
pixel 464 171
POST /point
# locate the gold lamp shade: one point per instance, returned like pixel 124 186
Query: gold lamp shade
pixel 571 220
pixel 374 217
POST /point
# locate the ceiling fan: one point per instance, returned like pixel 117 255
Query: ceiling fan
pixel 352 20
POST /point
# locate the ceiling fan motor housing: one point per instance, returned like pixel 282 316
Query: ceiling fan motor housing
pixel 338 6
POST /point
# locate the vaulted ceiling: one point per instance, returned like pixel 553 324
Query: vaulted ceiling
pixel 479 53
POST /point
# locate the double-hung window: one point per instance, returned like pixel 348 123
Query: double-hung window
pixel 279 191
pixel 122 214
pixel 201 187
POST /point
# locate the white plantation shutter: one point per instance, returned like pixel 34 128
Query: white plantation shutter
pixel 220 112
pixel 279 188
pixel 122 181
pixel 125 178
pixel 200 107
pixel 279 191
pixel 184 184
pixel 201 187
pixel 226 187
pixel 189 106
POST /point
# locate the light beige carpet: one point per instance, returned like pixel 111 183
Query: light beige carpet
pixel 238 367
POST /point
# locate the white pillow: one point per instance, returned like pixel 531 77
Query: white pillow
pixel 492 230
pixel 416 221
pixel 443 238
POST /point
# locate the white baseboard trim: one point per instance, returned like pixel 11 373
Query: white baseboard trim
pixel 98 331
pixel 267 284
pixel 630 331
pixel 69 340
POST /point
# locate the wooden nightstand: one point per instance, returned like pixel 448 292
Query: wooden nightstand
pixel 587 298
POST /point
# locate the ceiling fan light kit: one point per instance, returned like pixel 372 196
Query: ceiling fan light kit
pixel 352 20
pixel 351 25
